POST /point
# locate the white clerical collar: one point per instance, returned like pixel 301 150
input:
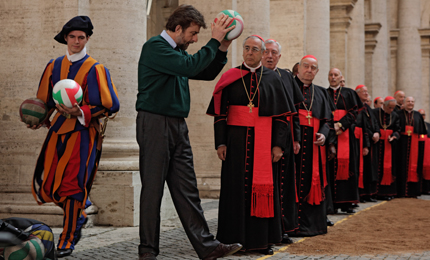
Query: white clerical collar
pixel 409 111
pixel 252 69
pixel 77 56
pixel 169 39
pixel 336 88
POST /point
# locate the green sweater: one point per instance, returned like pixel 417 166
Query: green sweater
pixel 163 75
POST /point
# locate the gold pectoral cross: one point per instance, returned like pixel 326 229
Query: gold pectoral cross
pixel 409 132
pixel 309 118
pixel 384 126
pixel 250 105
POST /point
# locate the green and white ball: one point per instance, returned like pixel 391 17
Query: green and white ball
pixel 32 249
pixel 67 92
pixel 237 20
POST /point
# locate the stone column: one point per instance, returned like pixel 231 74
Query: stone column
pixel 287 26
pixel 355 72
pixel 340 20
pixel 409 50
pixel 317 37
pixel 425 65
pixel 371 30
pixel 381 67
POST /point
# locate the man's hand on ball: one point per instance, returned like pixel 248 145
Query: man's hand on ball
pixel 74 111
pixel 219 28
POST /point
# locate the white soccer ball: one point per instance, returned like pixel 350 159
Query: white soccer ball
pixel 67 92
pixel 237 20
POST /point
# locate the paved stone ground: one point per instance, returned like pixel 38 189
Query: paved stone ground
pixel 121 243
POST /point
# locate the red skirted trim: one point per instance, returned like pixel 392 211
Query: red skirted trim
pixel 358 131
pixel 426 163
pixel 342 149
pixel 315 195
pixel 262 181
pixel 262 201
pixel 413 156
pixel 387 178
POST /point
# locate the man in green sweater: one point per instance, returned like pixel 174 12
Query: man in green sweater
pixel 163 101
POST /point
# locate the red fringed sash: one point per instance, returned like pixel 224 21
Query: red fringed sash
pixel 342 149
pixel 426 163
pixel 358 131
pixel 315 195
pixel 413 154
pixel 387 177
pixel 262 180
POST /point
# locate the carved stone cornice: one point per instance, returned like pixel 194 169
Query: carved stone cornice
pixel 394 35
pixel 371 30
pixel 340 17
pixel 425 41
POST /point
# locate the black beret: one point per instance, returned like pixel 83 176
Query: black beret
pixel 78 23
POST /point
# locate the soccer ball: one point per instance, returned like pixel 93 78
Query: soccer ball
pixel 67 92
pixel 32 249
pixel 33 111
pixel 237 20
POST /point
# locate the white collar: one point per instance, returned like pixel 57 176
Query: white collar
pixel 409 111
pixel 76 56
pixel 169 39
pixel 252 69
pixel 336 88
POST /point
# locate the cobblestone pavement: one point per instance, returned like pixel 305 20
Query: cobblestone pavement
pixel 122 243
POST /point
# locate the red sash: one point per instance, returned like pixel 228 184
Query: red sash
pixel 426 163
pixel 342 149
pixel 387 177
pixel 315 195
pixel 358 131
pixel 262 180
pixel 413 154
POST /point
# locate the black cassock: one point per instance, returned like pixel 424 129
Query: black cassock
pixel 345 191
pixel 393 123
pixel 312 219
pixel 403 158
pixel 235 223
pixel 287 170
pixel 366 120
pixel 425 183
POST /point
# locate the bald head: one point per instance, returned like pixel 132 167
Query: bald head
pixel 409 103
pixel 400 97
pixel 308 69
pixel 334 77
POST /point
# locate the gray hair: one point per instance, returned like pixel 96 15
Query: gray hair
pixel 300 62
pixel 273 41
pixel 386 103
pixel 263 46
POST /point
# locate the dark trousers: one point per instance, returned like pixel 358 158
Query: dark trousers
pixel 165 155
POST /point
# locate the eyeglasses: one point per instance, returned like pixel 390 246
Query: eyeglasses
pixel 254 49
pixel 274 53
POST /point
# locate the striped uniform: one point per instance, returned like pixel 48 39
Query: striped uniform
pixel 68 160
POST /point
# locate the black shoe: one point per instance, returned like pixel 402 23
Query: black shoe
pixel 223 250
pixel 354 205
pixel 147 256
pixel 362 200
pixel 267 251
pixel 372 200
pixel 347 210
pixel 286 239
pixel 329 223
pixel 63 252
